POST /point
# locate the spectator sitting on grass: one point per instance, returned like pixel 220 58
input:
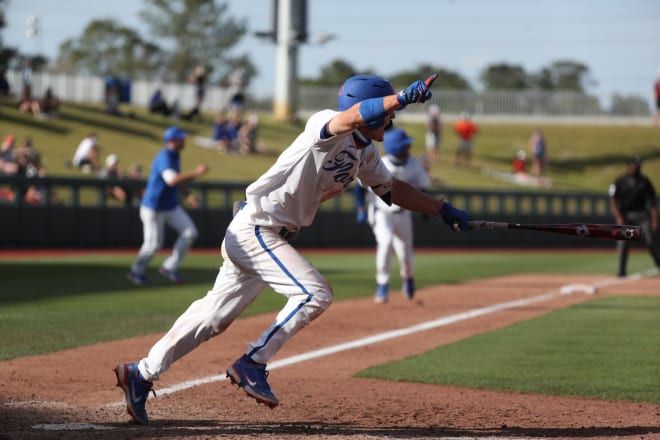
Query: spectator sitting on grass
pixel 86 157
pixel 50 104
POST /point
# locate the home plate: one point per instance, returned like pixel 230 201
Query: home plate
pixel 70 426
pixel 578 288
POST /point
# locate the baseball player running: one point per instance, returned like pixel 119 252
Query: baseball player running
pixel 160 206
pixel 391 224
pixel 334 149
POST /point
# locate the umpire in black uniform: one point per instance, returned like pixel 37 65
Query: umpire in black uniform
pixel 633 202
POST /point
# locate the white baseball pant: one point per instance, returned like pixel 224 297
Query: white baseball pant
pixel 393 230
pixel 254 257
pixel 153 226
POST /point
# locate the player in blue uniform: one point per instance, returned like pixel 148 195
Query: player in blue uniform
pixel 161 206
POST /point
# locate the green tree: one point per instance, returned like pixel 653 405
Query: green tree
pixel 563 75
pixel 332 74
pixel 194 32
pixel 106 48
pixel 504 77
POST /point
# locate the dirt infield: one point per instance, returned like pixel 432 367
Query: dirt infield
pixel 320 397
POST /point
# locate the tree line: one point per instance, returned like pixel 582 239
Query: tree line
pixel 182 34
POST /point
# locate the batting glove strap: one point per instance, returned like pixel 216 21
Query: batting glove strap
pixel 452 216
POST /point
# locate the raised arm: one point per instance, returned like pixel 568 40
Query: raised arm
pixel 369 110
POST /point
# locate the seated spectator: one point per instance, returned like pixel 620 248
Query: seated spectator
pixel 50 104
pixel 27 159
pixel 7 164
pixel 86 157
pixel 519 165
pixel 27 104
pixel 247 136
pixel 232 129
pixel 38 194
pixel 157 104
pixel 112 171
pixel 220 136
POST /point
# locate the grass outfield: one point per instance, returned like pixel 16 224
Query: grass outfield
pixel 54 303
pixel 605 349
pixel 581 157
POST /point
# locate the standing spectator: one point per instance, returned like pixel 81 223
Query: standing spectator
pixel 86 157
pixel 656 90
pixel 7 163
pixel 392 224
pixel 334 149
pixel 198 77
pixel 237 82
pixel 5 89
pixel 538 150
pixel 466 131
pixel 633 201
pixel 433 132
pixel 113 171
pixel 161 206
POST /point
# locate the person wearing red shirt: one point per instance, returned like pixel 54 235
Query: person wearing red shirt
pixel 466 130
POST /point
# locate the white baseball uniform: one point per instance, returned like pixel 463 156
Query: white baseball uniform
pixel 392 225
pixel 256 253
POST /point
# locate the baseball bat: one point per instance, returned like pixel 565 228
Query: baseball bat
pixel 587 230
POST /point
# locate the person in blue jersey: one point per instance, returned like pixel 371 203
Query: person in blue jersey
pixel 161 206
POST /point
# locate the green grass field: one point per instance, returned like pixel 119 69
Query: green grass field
pixel 605 349
pixel 584 157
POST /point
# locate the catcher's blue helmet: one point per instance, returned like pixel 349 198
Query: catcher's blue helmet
pixel 396 141
pixel 360 87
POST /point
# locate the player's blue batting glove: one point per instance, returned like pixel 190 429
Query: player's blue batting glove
pixel 455 218
pixel 361 216
pixel 419 91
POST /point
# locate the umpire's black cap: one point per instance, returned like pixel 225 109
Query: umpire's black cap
pixel 635 160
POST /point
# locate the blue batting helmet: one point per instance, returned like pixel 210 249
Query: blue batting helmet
pixel 396 141
pixel 360 87
pixel 174 133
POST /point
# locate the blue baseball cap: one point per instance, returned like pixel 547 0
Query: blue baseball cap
pixel 395 141
pixel 174 133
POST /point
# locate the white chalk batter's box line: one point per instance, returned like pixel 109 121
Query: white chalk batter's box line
pixel 374 339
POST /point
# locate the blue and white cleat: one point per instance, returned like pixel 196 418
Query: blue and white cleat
pixel 251 376
pixel 381 294
pixel 136 390
pixel 139 279
pixel 172 275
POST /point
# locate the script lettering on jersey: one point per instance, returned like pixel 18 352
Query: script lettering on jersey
pixel 341 166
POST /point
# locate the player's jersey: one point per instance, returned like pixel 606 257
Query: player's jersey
pixel 410 171
pixel 158 194
pixel 310 171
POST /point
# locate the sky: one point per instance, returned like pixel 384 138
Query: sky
pixel 618 40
